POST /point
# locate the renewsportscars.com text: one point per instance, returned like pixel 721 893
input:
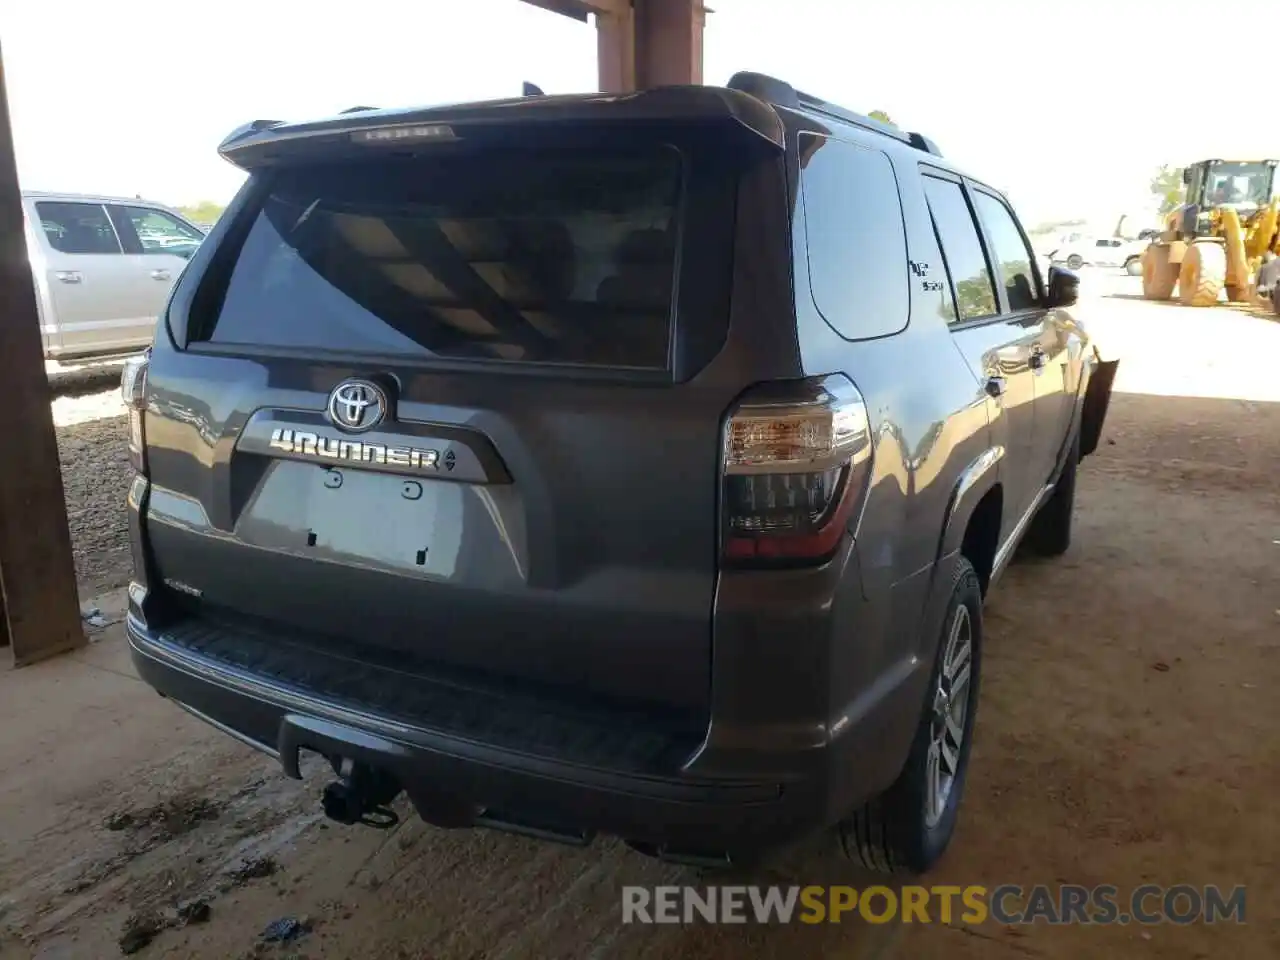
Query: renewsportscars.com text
pixel 1005 904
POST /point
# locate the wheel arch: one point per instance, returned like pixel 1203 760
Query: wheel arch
pixel 981 537
pixel 975 514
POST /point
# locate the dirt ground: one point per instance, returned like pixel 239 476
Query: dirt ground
pixel 1128 734
pixel 95 477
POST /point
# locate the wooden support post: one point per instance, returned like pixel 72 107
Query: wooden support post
pixel 641 43
pixel 39 608
pixel 616 50
pixel 668 42
pixel 649 43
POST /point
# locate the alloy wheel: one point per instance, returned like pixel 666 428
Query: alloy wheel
pixel 950 708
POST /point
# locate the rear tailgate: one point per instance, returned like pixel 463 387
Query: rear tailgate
pixel 539 498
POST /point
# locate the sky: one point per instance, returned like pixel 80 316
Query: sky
pixel 1059 105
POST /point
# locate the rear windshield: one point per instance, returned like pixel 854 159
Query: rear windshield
pixel 549 257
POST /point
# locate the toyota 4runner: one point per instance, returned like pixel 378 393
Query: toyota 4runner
pixel 605 464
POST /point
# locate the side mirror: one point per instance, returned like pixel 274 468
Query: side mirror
pixel 1064 288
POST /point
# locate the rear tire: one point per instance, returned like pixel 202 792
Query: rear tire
pixel 907 828
pixel 1075 261
pixel 1159 275
pixel 1050 531
pixel 1133 266
pixel 1203 274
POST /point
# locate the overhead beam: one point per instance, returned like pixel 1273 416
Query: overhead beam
pixel 39 609
pixel 582 9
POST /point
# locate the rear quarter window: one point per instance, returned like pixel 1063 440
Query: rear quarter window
pixel 855 238
pixel 557 257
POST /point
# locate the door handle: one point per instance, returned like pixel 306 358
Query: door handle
pixel 995 387
pixel 160 274
pixel 68 276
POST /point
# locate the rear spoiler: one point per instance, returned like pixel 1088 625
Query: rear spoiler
pixel 265 142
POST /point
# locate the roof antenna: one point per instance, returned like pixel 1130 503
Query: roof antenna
pixel 532 90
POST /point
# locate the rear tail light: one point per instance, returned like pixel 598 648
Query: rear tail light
pixel 797 457
pixel 133 390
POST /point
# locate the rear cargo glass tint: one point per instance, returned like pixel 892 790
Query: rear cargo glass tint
pixel 550 257
pixel 855 237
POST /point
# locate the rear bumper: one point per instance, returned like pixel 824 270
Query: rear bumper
pixel 458 782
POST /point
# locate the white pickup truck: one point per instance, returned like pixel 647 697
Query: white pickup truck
pixel 103 269
pixel 1077 250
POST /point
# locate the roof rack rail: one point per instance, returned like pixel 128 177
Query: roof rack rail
pixel 782 94
pixel 357 110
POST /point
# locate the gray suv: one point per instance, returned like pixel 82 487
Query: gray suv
pixel 590 464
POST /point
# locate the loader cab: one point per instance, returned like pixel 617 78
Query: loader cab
pixel 1243 185
pixel 1236 183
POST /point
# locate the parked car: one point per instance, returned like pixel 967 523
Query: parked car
pixel 627 465
pixel 1101 252
pixel 103 269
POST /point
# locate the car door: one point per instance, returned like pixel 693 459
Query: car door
pixel 157 247
pixel 1055 345
pixel 87 276
pixel 997 345
pixel 1110 252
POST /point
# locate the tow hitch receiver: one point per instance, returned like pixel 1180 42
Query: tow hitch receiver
pixel 361 795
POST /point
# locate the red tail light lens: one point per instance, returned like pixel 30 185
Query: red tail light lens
pixel 133 390
pixel 797 457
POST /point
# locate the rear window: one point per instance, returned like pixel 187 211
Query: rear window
pixel 550 257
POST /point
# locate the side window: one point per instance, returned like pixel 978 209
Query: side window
pixel 1011 252
pixel 962 248
pixel 77 227
pixel 855 238
pixel 158 232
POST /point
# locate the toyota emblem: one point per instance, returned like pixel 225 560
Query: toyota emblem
pixel 357 405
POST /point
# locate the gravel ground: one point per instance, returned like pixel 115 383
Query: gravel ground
pixel 92 445
pixel 1127 735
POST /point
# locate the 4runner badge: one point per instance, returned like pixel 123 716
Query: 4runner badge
pixel 303 443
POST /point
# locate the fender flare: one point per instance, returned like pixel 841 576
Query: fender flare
pixel 1094 401
pixel 1089 407
pixel 972 485
pixel 974 482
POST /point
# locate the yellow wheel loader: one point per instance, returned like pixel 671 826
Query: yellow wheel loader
pixel 1219 238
